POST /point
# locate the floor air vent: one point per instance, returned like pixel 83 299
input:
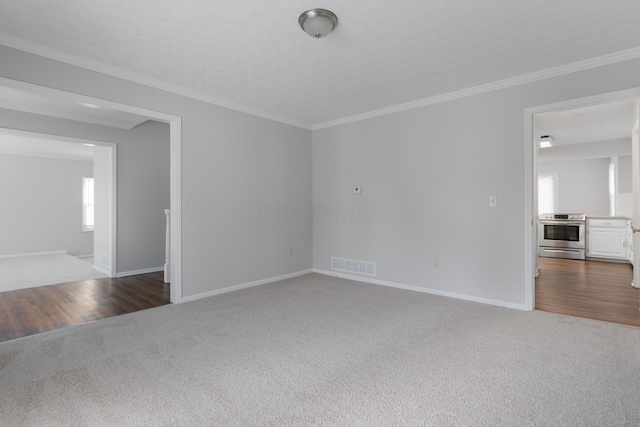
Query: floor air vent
pixel 353 266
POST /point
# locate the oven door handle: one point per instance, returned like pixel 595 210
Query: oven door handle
pixel 562 222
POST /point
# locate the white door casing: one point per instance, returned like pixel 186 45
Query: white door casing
pixel 635 224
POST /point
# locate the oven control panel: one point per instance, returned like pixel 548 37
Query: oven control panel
pixel 559 216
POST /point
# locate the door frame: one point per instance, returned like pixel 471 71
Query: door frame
pixel 530 169
pixel 175 167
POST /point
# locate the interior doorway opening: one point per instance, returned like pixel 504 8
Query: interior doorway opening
pixel 174 162
pixel 595 277
pixel 67 151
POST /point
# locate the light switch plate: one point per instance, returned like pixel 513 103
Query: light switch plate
pixel 493 201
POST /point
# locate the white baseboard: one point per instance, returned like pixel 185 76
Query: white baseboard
pixel 245 285
pixel 101 270
pixel 423 290
pixel 85 256
pixel 134 272
pixel 32 254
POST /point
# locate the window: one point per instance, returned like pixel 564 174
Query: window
pixel 612 188
pixel 87 204
pixel 547 193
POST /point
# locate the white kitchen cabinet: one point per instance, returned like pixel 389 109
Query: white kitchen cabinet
pixel 629 242
pixel 607 238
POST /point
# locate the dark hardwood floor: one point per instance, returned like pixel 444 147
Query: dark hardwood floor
pixel 30 311
pixel 593 289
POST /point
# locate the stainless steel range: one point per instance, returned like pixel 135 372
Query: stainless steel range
pixel 562 235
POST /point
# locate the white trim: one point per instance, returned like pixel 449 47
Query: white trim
pixel 32 254
pixel 102 270
pixel 88 64
pixel 175 150
pixel 420 289
pixel 529 241
pixel 530 251
pixel 245 285
pixel 113 159
pixel 175 204
pixel 600 61
pixel 67 58
pixel 49 137
pixel 136 272
pixel 78 98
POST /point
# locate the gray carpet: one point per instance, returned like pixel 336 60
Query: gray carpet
pixel 316 350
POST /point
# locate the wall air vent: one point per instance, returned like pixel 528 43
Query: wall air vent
pixel 353 266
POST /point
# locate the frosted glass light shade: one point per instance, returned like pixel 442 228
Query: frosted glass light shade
pixel 546 141
pixel 318 22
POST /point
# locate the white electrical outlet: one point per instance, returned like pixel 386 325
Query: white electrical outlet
pixel 493 201
pixel 437 263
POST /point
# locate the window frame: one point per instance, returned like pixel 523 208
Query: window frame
pixel 554 179
pixel 88 204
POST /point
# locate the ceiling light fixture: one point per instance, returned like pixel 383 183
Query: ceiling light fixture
pixel 546 141
pixel 318 22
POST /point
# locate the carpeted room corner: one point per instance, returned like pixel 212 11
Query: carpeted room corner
pixel 318 350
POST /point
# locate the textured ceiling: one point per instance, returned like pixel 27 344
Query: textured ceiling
pixel 602 122
pixel 382 54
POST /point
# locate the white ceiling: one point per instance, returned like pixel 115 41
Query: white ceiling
pixel 382 54
pixel 603 122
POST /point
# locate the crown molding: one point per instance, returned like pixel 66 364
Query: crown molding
pixel 450 96
pixel 99 67
pixel 489 87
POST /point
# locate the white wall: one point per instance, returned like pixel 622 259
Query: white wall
pixel 624 198
pixel 233 166
pixel 426 176
pixel 42 205
pixel 103 186
pixel 583 185
pixel 143 195
pixel 428 173
pixel 624 174
pixel 588 150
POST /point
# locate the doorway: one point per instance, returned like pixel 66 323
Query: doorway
pixel 587 171
pixel 174 162
pixel 51 209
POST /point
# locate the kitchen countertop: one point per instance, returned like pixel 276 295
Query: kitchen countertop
pixel 608 217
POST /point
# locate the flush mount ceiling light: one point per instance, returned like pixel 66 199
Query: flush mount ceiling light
pixel 546 141
pixel 318 22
